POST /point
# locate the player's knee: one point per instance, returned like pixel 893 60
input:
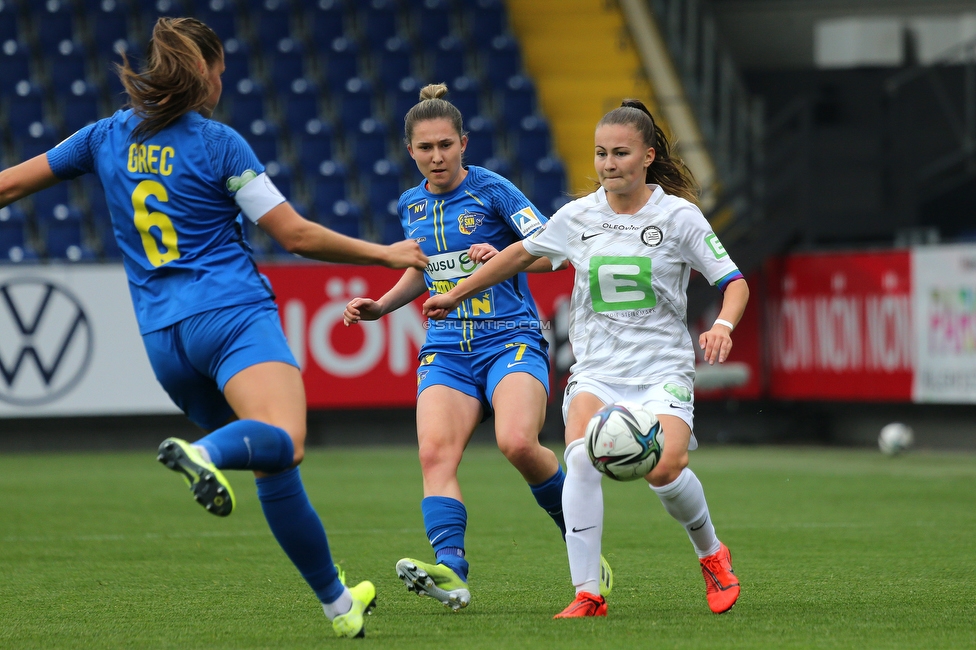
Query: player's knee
pixel 435 458
pixel 667 470
pixel 519 450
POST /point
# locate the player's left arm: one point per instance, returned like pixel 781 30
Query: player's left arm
pixel 26 178
pixel 481 253
pixel 716 343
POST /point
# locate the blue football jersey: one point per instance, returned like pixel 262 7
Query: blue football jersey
pixel 171 200
pixel 485 208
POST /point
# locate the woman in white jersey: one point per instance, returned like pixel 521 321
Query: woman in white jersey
pixel 633 244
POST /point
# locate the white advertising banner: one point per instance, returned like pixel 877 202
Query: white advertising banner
pixel 944 306
pixel 69 344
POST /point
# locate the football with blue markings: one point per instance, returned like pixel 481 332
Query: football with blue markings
pixel 624 441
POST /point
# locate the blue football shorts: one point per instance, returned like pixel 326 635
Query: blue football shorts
pixel 478 373
pixel 194 358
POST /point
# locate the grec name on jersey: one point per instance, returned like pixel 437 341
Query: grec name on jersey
pixel 151 159
pixel 450 266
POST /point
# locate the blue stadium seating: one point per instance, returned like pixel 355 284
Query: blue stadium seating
pixel 404 96
pixel 237 62
pixel 24 107
pixel 355 101
pixel 341 62
pixel 315 145
pixel 246 101
pixel 14 65
pixel 220 16
pixel 369 143
pixel 378 20
pixel 64 237
pixel 38 138
pixel 481 140
pixel 326 21
pixel 282 177
pixel 272 22
pixel 500 166
pixel 109 24
pixel 286 64
pixel 446 59
pixel 79 105
pixel 383 188
pixel 464 93
pixel 9 22
pixel 485 20
pixel 548 184
pixel 263 138
pixel 65 64
pixel 431 20
pixel 501 60
pixel 328 187
pixel 518 100
pixel 14 240
pixel 347 218
pixel 301 104
pixel 58 21
pixel 51 200
pixel 532 141
pixel 393 62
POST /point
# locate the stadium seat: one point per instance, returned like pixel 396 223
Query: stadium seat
pixel 237 62
pixel 286 64
pixel 51 201
pixel 109 24
pixel 500 166
pixel 38 138
pixel 355 101
pixel 57 20
pixel 378 20
pixel 481 140
pixel 220 16
pixel 393 62
pixel 405 94
pixel 14 65
pixel 464 93
pixel 502 60
pixel 341 63
pixel 517 100
pixel 9 22
pixel 263 138
pixel 532 141
pixel 326 21
pixel 328 186
pixel 282 177
pixel 369 143
pixel 107 244
pixel 79 106
pixel 548 184
pixel 272 23
pixel 383 185
pixel 485 20
pixel 246 101
pixel 24 107
pixel 65 64
pixel 301 104
pixel 315 144
pixel 446 59
pixel 64 237
pixel 14 241
pixel 431 20
pixel 347 219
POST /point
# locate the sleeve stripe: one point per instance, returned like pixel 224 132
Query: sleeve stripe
pixel 724 282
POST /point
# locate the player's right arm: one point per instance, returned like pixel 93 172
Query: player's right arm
pixel 408 288
pixel 26 178
pixel 306 238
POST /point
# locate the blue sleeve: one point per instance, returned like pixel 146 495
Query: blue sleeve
pixel 517 211
pixel 76 155
pixel 230 155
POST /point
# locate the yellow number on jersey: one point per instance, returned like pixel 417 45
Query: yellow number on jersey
pixel 144 220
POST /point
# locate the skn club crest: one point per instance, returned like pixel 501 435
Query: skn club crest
pixel 468 222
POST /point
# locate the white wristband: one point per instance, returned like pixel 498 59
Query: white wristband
pixel 719 321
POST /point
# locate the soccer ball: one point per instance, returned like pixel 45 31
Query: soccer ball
pixel 895 438
pixel 624 441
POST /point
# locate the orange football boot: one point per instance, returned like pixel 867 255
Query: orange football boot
pixel 721 585
pixel 585 604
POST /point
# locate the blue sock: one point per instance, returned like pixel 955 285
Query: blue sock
pixel 249 444
pixel 549 495
pixel 445 519
pixel 299 531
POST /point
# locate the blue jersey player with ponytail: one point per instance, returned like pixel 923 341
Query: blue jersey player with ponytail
pixel 175 183
pixel 488 358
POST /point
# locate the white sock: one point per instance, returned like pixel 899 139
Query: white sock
pixel 684 499
pixel 203 453
pixel 583 511
pixel 339 606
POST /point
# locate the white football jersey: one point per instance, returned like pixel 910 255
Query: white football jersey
pixel 628 322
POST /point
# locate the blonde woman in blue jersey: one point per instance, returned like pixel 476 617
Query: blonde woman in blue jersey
pixel 487 358
pixel 175 182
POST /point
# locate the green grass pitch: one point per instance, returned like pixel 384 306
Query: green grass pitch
pixel 834 548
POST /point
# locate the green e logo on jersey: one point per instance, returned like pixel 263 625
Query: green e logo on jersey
pixel 717 248
pixel 620 283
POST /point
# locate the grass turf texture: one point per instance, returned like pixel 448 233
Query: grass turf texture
pixel 835 548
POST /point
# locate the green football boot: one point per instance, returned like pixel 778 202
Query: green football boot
pixel 606 577
pixel 351 623
pixel 209 487
pixel 438 581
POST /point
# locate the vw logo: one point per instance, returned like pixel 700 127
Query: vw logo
pixel 46 341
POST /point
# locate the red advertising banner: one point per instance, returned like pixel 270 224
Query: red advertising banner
pixel 373 364
pixel 840 326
